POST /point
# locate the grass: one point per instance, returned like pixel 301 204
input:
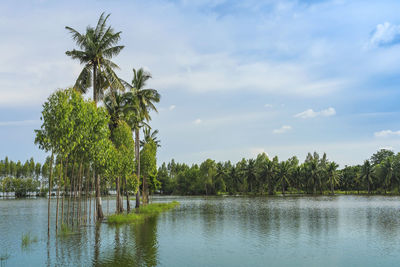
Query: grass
pixel 28 239
pixel 65 231
pixel 142 213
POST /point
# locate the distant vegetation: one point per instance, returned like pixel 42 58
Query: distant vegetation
pixel 316 175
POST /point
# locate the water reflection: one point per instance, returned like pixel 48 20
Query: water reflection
pixel 223 231
pixel 133 245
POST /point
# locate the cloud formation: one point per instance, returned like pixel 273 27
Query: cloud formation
pixel 309 113
pixel 385 34
pixel 387 133
pixel 172 107
pixel 283 129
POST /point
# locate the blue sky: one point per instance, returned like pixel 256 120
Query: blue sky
pixel 236 77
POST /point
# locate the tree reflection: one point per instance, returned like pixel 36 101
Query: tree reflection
pixel 134 245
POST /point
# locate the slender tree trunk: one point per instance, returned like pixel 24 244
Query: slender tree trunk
pixel 90 197
pixel 99 209
pixel 283 187
pixel 137 146
pixel 70 191
pixel 87 194
pixel 369 187
pixel 79 193
pixel 58 192
pixel 144 191
pixel 117 200
pixel 65 191
pixel 50 185
pixel 128 206
pixel 75 195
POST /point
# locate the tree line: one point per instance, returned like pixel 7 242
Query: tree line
pixel 316 175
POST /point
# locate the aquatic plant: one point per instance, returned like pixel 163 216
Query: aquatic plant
pixel 27 239
pixel 141 213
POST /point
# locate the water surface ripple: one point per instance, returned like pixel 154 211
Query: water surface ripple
pixel 217 231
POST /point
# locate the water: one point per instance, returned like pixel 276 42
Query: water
pixel 217 231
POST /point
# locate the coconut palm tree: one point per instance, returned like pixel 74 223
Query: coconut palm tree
pixel 283 173
pixel 367 172
pixel 386 171
pixel 333 178
pixel 97 47
pixel 144 100
pixel 149 135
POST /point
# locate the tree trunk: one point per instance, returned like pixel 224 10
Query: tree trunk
pixel 145 191
pixel 65 191
pixel 99 209
pixel 332 188
pixel 87 194
pixel 117 189
pixel 79 193
pixel 70 191
pixel 128 206
pixel 137 146
pixel 48 204
pixel 369 187
pixel 58 193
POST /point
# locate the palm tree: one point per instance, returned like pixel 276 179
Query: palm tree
pixel 250 174
pixel 367 174
pixel 284 169
pixel 117 106
pixel 333 178
pixel 386 168
pixel 144 101
pixel 98 47
pixel 148 135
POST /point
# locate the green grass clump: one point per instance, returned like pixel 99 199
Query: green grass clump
pixel 142 213
pixel 65 231
pixel 28 239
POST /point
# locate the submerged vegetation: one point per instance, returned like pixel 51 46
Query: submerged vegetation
pixel 142 213
pixel 27 239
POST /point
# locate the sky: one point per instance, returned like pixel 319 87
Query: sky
pixel 236 78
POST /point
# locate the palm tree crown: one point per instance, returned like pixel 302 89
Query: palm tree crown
pixel 97 47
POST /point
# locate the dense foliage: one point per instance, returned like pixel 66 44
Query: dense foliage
pixel 316 175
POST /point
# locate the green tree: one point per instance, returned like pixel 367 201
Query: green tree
pixel 144 100
pixel 333 178
pixel 367 172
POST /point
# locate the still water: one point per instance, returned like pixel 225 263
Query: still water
pixel 217 231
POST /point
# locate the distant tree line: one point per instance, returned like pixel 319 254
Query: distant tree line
pixel 316 175
pixel 21 178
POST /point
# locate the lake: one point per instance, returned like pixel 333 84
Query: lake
pixel 217 231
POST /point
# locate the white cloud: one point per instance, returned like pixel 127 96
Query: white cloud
pixel 268 105
pixel 385 34
pixel 309 113
pixel 255 151
pixel 197 121
pixel 172 107
pixel 283 129
pixel 387 133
